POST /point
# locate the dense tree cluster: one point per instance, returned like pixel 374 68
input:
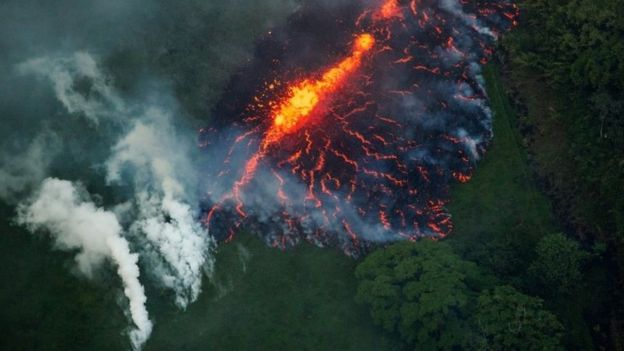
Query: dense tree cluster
pixel 578 48
pixel 434 300
pixel 510 320
pixel 557 268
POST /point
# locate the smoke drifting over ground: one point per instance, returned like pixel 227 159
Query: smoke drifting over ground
pixel 372 161
pixel 157 157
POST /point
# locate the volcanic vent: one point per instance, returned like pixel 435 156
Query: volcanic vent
pixel 351 122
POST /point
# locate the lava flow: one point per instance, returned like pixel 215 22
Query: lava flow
pixel 364 151
pixel 304 97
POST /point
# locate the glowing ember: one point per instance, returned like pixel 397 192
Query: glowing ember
pixel 389 9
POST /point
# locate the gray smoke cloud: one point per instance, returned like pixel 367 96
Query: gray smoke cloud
pixel 62 72
pixel 26 167
pixel 156 158
pixel 75 223
pixel 454 7
pixel 152 155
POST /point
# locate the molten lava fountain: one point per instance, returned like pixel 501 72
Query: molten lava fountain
pixel 363 150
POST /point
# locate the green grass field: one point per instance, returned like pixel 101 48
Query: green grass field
pixel 500 208
pixel 267 299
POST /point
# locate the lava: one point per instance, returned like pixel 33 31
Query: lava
pixel 390 9
pixel 304 97
pixel 294 111
pixel 363 151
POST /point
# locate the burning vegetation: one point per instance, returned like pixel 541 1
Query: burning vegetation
pixel 358 150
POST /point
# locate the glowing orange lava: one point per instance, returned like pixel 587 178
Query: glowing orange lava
pixel 305 96
pixel 389 9
pixel 302 99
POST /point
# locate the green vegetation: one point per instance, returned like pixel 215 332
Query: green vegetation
pixel 435 300
pixel 575 50
pixel 510 320
pixel 557 267
pixel 420 291
pixel 262 299
pixel 44 306
pixel 500 215
pixel 564 68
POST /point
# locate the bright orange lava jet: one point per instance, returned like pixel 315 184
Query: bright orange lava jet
pixel 304 97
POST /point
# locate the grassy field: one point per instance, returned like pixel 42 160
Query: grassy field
pixel 267 299
pixel 500 214
pixel 500 208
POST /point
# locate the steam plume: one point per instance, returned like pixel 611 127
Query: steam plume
pixel 76 223
pixel 157 159
pixel 154 157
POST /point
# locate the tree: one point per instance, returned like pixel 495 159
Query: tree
pixel 434 300
pixel 557 267
pixel 421 291
pixel 509 320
